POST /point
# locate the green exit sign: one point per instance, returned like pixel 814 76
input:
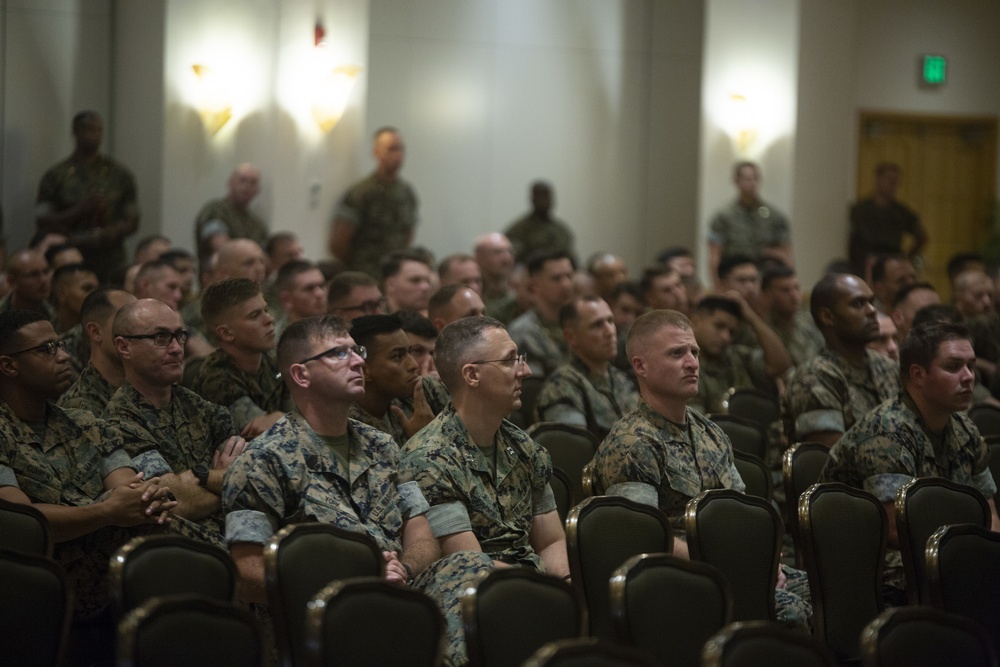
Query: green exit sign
pixel 935 70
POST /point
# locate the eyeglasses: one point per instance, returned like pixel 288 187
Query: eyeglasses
pixel 51 348
pixel 340 353
pixel 162 338
pixel 373 307
pixel 519 359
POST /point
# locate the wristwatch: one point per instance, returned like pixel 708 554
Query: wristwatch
pixel 201 472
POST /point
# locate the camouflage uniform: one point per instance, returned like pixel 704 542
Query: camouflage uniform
pixel 735 368
pixel 985 333
pixel 67 466
pixel 743 231
pixel 542 340
pixel 219 216
pixel 572 395
pixel 803 341
pixel 179 437
pixel 502 306
pixel 77 347
pixel 891 445
pixel 459 482
pixel 69 183
pixel 651 460
pixel 90 392
pixel 221 381
pixel 383 216
pixel 828 394
pixel 533 233
pixel 388 424
pixel 290 475
pixel 50 312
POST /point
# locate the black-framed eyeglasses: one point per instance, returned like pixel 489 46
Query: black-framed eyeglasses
pixel 373 307
pixel 162 338
pixel 340 353
pixel 51 348
pixel 519 359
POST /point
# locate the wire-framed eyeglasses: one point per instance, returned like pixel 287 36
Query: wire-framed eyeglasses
pixel 340 353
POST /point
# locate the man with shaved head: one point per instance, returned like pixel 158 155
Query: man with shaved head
pixel 170 431
pixel 30 281
pixel 453 302
pixel 230 217
pixel 608 271
pixel 241 258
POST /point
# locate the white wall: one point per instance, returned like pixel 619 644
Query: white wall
pixel 56 62
pixel 492 95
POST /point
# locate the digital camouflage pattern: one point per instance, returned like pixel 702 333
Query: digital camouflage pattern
pixel 219 216
pixel 600 401
pixel 733 369
pixel 67 466
pixel 179 437
pixel 90 392
pixel 388 424
pixel 502 306
pixel 829 394
pixel 803 341
pixel 289 475
pixel 749 231
pixel 533 233
pixel 649 459
pixel 221 381
pixel 384 215
pixel 443 459
pixel 77 347
pixel 542 341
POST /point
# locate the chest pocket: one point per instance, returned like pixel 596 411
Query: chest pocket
pixel 686 482
pixel 36 477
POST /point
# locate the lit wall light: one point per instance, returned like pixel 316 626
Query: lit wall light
pixel 213 99
pixel 742 125
pixel 332 91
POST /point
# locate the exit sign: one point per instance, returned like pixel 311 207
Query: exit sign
pixel 934 70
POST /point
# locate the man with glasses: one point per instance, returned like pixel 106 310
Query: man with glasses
pixel 72 468
pixel 170 431
pixel 352 294
pixel 487 482
pixel 316 464
pixel 30 280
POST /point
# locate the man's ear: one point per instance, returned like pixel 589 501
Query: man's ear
pixel 94 332
pixel 470 373
pixel 122 346
pixel 8 366
pixel 917 375
pixel 223 333
pixel 639 366
pixel 825 316
pixel 299 373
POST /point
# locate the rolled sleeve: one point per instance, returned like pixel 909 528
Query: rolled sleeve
pixel 542 501
pixel 639 492
pixel 448 519
pixel 7 476
pixel 411 500
pixel 249 526
pixel 816 421
pixel 151 463
pixel 885 485
pixel 113 461
pixel 985 483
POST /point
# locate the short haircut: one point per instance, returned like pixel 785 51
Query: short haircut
pixel 599 258
pixel 744 163
pixel 416 324
pixel 274 240
pixel 175 255
pixel 775 271
pixel 67 271
pixel 650 323
pixel 537 261
pixel 341 284
pixel 629 287
pixel 458 258
pixel 147 241
pixel 824 294
pixel 393 263
pixel 455 344
pixel 958 263
pixel 366 328
pixel 298 338
pixel 906 290
pixel 97 305
pixel 936 312
pixel 382 130
pixel 223 295
pixel 650 275
pixel 441 299
pixel 713 304
pixel 730 262
pixel 289 271
pixel 82 117
pixel 54 250
pixel 878 268
pixel 570 313
pixel 154 267
pixel 11 323
pixel 922 343
pixel 673 252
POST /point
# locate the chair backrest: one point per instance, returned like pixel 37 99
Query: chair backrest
pixel 925 637
pixel 756 475
pixel 369 621
pixel 755 405
pixel 801 466
pixel 189 631
pixel 669 606
pixel 764 643
pixel 716 522
pixel 571 448
pixel 562 489
pixel 963 575
pixel 843 533
pixel 602 532
pixel 299 561
pixel 159 565
pixel 23 528
pixel 589 652
pixel 986 418
pixel 513 612
pixel 922 506
pixel 35 607
pixel 745 435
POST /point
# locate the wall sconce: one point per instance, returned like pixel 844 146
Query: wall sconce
pixel 212 98
pixel 742 121
pixel 332 91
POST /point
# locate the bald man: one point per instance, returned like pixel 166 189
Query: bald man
pixel 230 217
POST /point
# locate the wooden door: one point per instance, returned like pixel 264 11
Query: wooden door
pixel 948 176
